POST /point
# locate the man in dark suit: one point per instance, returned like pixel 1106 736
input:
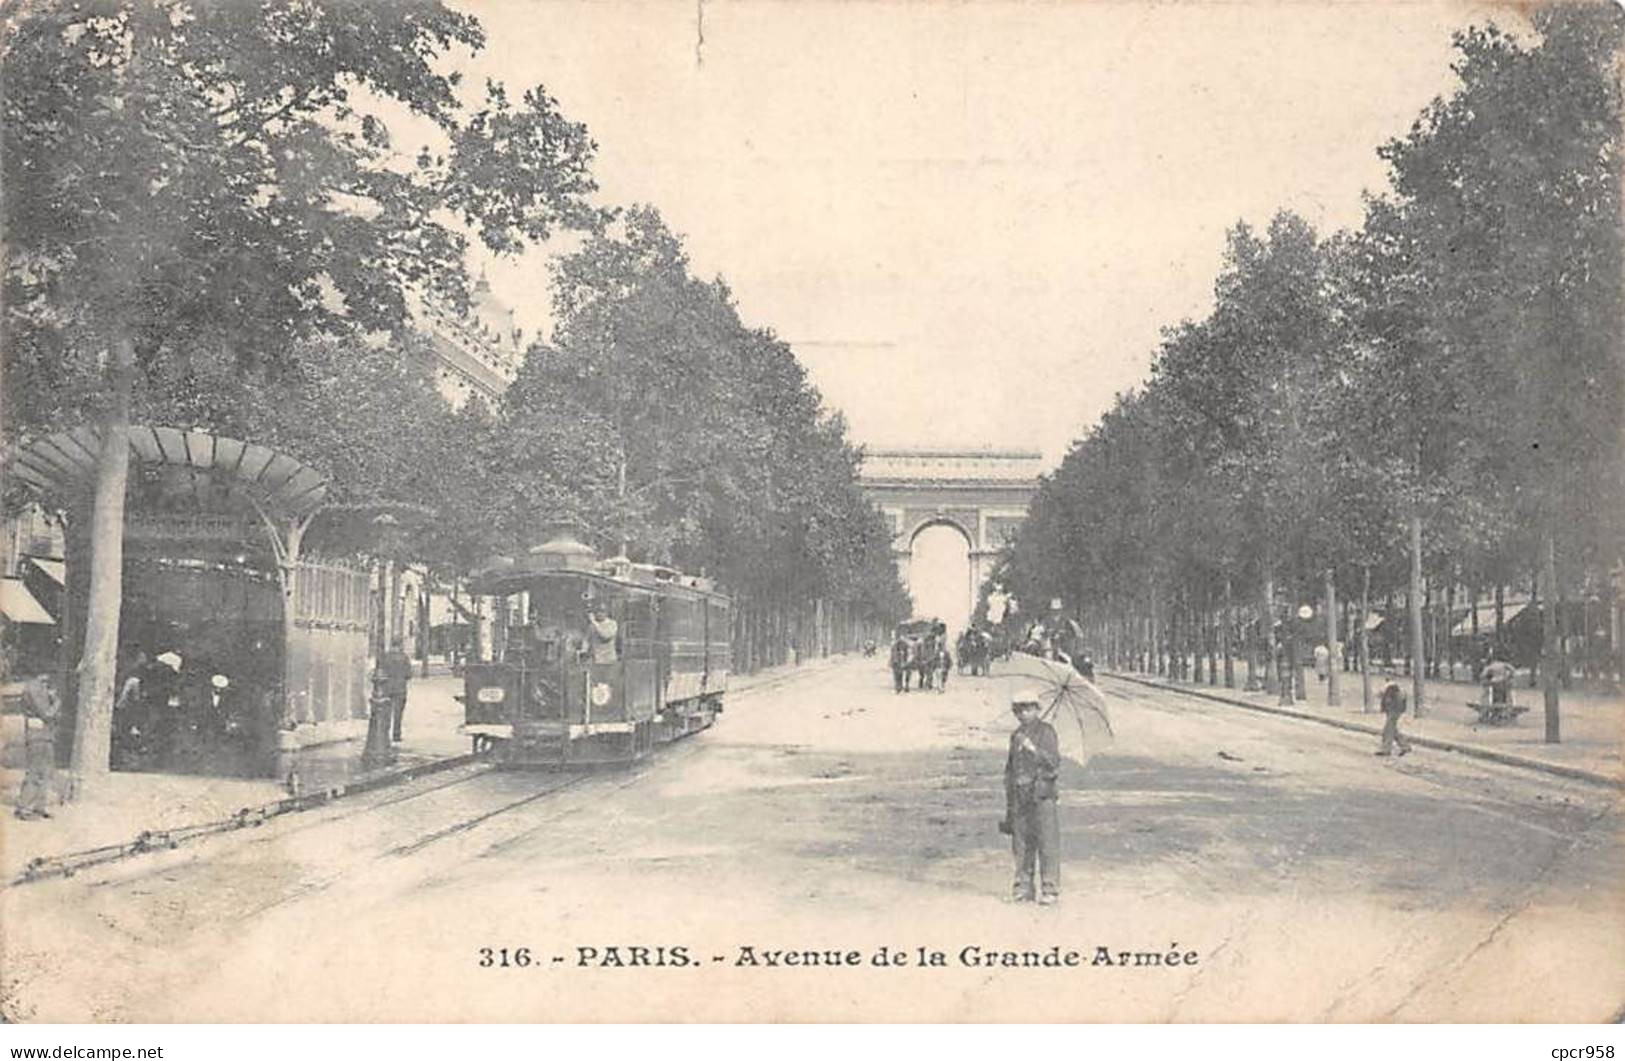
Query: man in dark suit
pixel 396 668
pixel 1030 817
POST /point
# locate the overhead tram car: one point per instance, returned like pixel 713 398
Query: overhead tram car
pixel 594 661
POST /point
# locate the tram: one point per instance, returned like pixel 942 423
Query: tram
pixel 594 661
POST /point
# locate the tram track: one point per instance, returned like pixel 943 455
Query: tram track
pixel 637 773
pixel 628 776
pixel 69 864
pixel 475 772
pixel 468 825
pixel 477 820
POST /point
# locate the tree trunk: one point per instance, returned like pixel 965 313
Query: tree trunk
pixel 1448 624
pixel 1346 625
pixel 1418 652
pixel 1500 617
pixel 1616 642
pixel 1548 625
pixel 1560 606
pixel 1225 626
pixel 1430 630
pixel 1586 654
pixel 422 641
pixel 1266 636
pixel 1477 592
pixel 1365 639
pixel 620 494
pixel 1333 652
pixel 1176 650
pixel 1537 599
pixel 1210 640
pixel 1388 633
pixel 93 725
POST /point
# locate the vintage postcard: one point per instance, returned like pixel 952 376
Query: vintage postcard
pixel 743 511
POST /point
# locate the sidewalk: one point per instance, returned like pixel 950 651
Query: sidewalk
pixel 1593 722
pixel 129 804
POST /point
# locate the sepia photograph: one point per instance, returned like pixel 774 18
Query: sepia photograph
pixel 794 511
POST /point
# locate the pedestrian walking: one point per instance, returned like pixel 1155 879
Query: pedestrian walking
pixel 396 668
pixel 41 705
pixel 1030 816
pixel 1393 706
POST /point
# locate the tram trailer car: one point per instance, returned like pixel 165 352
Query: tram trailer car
pixel 558 693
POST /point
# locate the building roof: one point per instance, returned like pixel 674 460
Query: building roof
pixel 20 606
pixel 1486 618
pixel 944 465
pixel 55 570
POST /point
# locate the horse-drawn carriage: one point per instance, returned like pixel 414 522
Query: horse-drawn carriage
pixel 920 649
pixel 975 651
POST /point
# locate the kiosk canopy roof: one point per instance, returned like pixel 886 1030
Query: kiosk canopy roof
pixel 64 463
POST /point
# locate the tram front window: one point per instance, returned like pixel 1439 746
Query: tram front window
pixel 557 630
pixel 548 642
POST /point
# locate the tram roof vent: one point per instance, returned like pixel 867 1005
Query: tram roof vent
pixel 563 550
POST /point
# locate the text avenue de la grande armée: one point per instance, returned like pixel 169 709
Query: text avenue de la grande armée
pixel 750 956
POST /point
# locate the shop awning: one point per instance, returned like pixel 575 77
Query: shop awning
pixel 1486 619
pixel 19 606
pixel 54 570
pixel 65 462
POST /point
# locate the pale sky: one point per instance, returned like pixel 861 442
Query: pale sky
pixel 972 220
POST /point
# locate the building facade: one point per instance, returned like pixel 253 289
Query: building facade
pixel 474 353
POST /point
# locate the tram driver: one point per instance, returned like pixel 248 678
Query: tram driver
pixel 551 640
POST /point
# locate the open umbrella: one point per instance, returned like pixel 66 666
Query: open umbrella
pixel 1071 703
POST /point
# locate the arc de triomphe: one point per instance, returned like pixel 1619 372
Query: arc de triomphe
pixel 950 511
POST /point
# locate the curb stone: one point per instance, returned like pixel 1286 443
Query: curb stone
pixel 1474 751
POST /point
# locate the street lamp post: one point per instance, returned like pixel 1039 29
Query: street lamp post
pixel 1302 636
pixel 380 750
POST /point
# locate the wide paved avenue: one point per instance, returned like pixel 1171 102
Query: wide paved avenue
pixel 1276 869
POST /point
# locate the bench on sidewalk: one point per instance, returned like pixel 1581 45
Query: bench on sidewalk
pixel 1491 714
